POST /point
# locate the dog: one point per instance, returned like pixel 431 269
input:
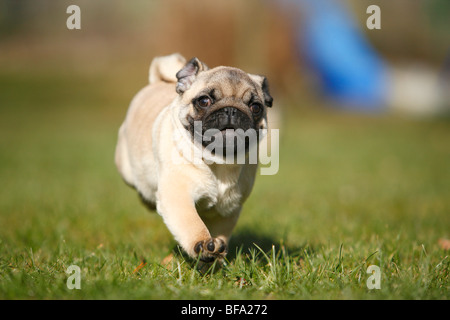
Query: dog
pixel 200 201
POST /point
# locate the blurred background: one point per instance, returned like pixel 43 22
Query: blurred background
pixel 363 118
pixel 318 50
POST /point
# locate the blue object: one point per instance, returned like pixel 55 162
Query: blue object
pixel 351 72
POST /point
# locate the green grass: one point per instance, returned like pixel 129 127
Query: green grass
pixel 351 191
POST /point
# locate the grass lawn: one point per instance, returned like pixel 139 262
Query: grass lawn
pixel 351 191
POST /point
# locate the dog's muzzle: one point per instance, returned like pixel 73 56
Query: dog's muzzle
pixel 226 129
pixel 228 118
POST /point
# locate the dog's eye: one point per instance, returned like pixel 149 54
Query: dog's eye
pixel 256 108
pixel 204 101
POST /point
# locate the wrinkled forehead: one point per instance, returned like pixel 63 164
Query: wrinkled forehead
pixel 233 76
pixel 227 81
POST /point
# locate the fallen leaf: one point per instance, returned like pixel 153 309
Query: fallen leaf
pixel 444 243
pixel 167 260
pixel 139 267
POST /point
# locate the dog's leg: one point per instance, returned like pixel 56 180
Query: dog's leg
pixel 177 208
pixel 222 226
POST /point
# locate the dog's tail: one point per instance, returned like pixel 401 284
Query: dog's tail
pixel 165 68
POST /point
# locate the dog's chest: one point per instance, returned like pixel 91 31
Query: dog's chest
pixel 223 193
pixel 228 197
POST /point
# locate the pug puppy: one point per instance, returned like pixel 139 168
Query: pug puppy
pixel 200 198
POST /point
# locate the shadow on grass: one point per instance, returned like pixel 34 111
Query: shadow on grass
pixel 246 239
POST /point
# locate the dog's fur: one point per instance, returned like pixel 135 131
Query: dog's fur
pixel 199 202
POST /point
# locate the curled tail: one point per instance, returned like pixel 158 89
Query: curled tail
pixel 165 68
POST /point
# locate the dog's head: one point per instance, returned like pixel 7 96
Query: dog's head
pixel 222 102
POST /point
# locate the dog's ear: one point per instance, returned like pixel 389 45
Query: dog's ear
pixel 268 100
pixel 188 73
pixel 264 84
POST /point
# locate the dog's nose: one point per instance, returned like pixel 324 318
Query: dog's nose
pixel 230 111
pixel 231 115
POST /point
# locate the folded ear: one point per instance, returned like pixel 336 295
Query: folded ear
pixel 262 81
pixel 188 73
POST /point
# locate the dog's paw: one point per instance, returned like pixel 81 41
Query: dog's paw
pixel 210 250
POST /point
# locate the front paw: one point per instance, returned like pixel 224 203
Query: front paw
pixel 210 250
